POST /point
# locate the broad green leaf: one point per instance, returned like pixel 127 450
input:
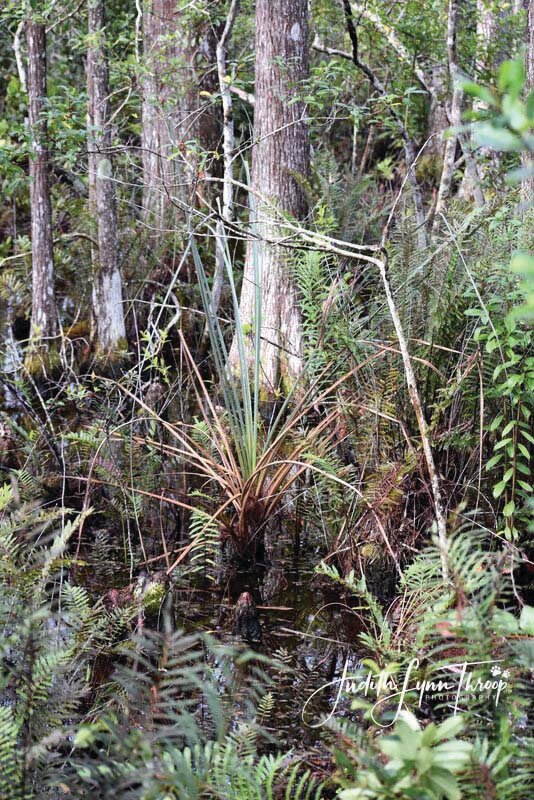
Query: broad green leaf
pixel 494 460
pixel 498 489
pixel 445 783
pixel 450 727
pixel 511 77
pixel 505 621
pixel 488 135
pixel 509 509
pixel 483 92
pixel 496 422
pixel 526 620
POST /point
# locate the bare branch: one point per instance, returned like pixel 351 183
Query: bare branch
pixel 409 149
pixel 246 96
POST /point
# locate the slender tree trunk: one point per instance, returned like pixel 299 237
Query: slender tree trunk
pixel 455 114
pixel 486 31
pixel 109 333
pixel 176 120
pixel 44 314
pixel 527 186
pixel 438 119
pixel 280 157
pixel 227 210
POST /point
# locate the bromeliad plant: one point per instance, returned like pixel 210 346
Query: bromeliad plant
pixel 249 464
pixel 261 461
pixel 252 464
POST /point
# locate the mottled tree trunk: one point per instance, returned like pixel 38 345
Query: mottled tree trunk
pixel 527 186
pixel 455 114
pixel 280 158
pixel 108 333
pixel 176 120
pixel 44 315
pixel 227 209
pixel 437 120
pixel 486 30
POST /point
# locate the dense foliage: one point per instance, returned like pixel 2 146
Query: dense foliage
pixel 374 498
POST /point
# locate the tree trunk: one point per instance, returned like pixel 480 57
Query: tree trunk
pixel 175 119
pixel 44 314
pixel 280 156
pixel 486 27
pixel 227 209
pixel 437 120
pixel 455 115
pixel 108 333
pixel 527 186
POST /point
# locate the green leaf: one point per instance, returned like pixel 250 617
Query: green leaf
pixel 488 135
pixel 445 783
pixel 474 312
pixel 511 77
pixel 452 755
pixel 515 112
pixel 509 427
pixel 509 509
pixel 483 92
pixel 496 422
pixel 449 728
pixel 502 443
pixel 523 450
pixel 526 620
pixel 522 263
pixel 498 489
pixel 505 621
pixel 494 460
pixel 84 736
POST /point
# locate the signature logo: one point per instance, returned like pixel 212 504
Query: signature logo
pixel 455 682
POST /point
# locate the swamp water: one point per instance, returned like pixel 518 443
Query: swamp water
pixel 309 634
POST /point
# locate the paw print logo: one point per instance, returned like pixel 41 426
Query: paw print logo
pixel 506 674
pixel 495 671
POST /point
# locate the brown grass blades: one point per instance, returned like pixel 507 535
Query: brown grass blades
pixel 245 501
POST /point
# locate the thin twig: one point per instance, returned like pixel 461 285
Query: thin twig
pixel 409 149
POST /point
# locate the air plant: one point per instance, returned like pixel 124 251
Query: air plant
pixel 252 463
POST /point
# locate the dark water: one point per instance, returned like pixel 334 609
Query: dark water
pixel 309 631
pixel 306 628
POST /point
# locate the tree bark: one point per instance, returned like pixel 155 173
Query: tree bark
pixel 109 334
pixel 527 186
pixel 280 158
pixel 486 31
pixel 227 210
pixel 455 115
pixel 176 51
pixel 44 314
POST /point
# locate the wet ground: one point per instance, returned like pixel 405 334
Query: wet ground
pixel 308 629
pixel 306 626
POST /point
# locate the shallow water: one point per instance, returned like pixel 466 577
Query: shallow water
pixel 306 626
